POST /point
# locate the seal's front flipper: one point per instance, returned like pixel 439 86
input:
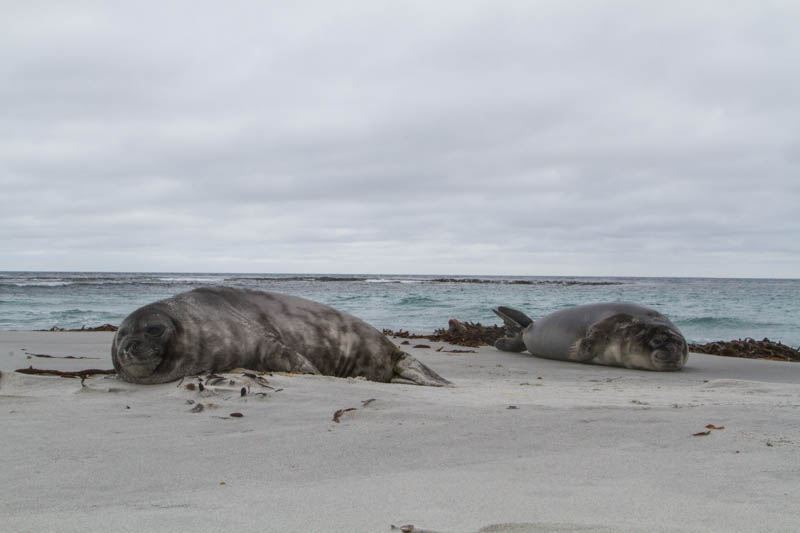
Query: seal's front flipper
pixel 291 361
pixel 598 337
pixel 515 321
pixel 409 370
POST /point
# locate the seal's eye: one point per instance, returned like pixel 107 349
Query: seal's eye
pixel 657 341
pixel 155 331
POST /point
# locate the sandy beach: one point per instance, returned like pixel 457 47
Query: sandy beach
pixel 517 444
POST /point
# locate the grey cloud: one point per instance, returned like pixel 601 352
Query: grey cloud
pixel 472 136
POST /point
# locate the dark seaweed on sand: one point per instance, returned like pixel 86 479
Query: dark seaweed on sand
pixel 72 374
pixel 338 414
pixel 749 348
pixel 461 333
pixel 83 374
pixel 46 356
pixel 104 327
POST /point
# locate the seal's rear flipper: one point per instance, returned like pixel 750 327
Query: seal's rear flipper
pixel 513 318
pixel 515 321
pixel 410 371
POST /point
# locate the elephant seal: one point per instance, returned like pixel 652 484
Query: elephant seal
pixel 614 334
pixel 216 329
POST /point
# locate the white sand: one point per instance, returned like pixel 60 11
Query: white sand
pixel 587 449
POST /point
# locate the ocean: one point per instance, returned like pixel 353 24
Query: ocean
pixel 705 309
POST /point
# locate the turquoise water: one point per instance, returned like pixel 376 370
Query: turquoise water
pixel 704 309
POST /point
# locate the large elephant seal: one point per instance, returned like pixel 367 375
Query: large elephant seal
pixel 615 334
pixel 220 328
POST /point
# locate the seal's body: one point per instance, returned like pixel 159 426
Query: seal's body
pixel 220 328
pixel 615 334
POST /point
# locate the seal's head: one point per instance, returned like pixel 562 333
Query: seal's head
pixel 649 342
pixel 654 345
pixel 142 344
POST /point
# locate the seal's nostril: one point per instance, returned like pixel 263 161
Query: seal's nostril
pixel 667 356
pixel 132 346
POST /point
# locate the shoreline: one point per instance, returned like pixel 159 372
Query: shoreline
pixel 517 440
pixel 746 348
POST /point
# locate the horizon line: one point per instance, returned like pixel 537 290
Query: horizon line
pixel 394 274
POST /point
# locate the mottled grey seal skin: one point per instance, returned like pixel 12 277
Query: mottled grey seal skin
pixel 220 328
pixel 614 334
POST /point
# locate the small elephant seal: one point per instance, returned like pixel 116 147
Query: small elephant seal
pixel 614 334
pixel 216 329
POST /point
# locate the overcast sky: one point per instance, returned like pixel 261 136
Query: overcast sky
pixel 552 138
